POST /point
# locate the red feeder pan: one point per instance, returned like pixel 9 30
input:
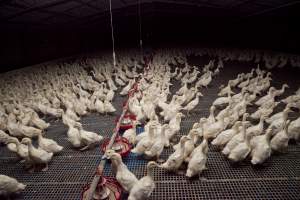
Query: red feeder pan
pixel 126 123
pixel 121 146
pixel 108 188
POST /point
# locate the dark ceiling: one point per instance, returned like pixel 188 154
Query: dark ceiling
pixel 68 13
pixel 34 31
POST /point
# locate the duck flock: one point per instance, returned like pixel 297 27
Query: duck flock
pixel 70 90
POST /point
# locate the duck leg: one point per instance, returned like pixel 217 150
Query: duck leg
pixel 84 148
pixel 45 168
pixel 202 178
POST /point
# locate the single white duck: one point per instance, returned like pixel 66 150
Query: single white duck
pixel 9 186
pixel 176 159
pixel 123 175
pixel 281 140
pixel 143 188
pixel 146 142
pixel 225 136
pixel 198 160
pixel 49 145
pixel 261 149
pixel 241 150
pixel 235 140
pixel 191 105
pixel 158 145
pixel 37 156
pixel 294 129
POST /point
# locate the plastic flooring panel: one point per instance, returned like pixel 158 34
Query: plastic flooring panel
pixel 69 171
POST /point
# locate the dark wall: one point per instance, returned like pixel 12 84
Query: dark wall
pixel 275 30
pixel 162 25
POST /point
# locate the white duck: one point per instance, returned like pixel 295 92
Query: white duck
pixel 158 145
pixel 198 160
pixel 176 159
pixel 190 94
pixel 108 107
pixel 214 129
pixel 49 145
pixel 294 129
pixel 88 139
pixel 211 118
pixel 126 89
pixel 37 155
pixel 17 147
pixel 99 106
pixel 9 186
pixel 278 115
pixel 146 142
pixel 244 83
pixel 225 136
pixel 174 125
pixel 29 131
pixel 144 134
pixel 74 136
pixel 130 134
pixel 241 150
pixel 143 188
pixel 279 122
pixel 264 111
pixel 281 140
pixel 189 146
pixel 118 80
pixel 256 129
pixel 261 149
pixel 235 140
pixel 38 122
pixel 291 99
pixel 205 81
pixel 222 100
pixel 4 137
pixel 182 90
pixel 191 105
pixel 266 98
pixel 280 91
pixel 125 177
pixel 226 90
pixel 110 95
pixel 225 112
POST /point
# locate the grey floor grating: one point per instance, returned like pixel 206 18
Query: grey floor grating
pixel 278 178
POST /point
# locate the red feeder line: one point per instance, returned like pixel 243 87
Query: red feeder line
pixel 100 167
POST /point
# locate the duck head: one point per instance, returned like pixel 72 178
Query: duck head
pixel 199 94
pixel 151 165
pixel 271 90
pixel 184 139
pixel 203 121
pixel 180 115
pixel 212 108
pixel 26 141
pixel 285 86
pixel 12 140
pixel 116 157
pixel 109 153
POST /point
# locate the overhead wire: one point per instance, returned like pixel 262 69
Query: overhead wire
pixel 140 28
pixel 112 33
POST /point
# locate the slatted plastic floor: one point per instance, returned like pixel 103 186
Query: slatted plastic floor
pixel 278 178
